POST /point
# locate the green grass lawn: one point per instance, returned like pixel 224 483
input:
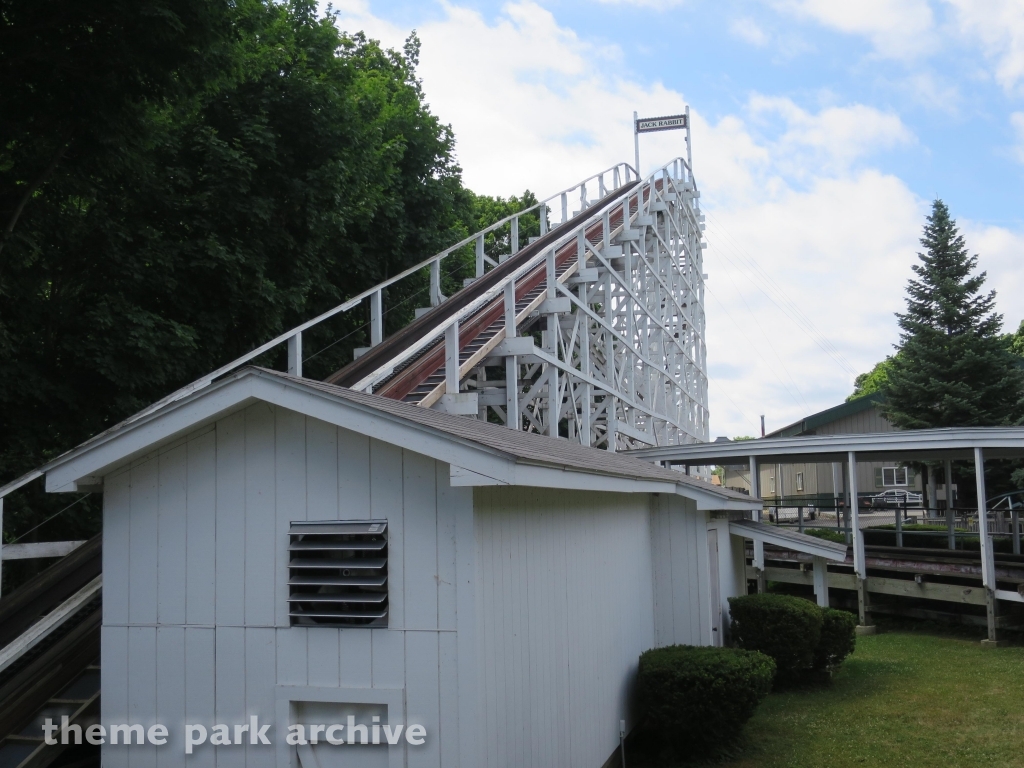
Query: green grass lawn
pixel 902 699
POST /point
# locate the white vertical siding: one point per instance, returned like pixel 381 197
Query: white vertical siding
pixel 566 606
pixel 681 589
pixel 196 622
pixel 517 614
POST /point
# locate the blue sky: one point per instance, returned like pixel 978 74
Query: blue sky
pixel 822 131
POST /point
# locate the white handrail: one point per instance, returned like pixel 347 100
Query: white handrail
pixel 679 165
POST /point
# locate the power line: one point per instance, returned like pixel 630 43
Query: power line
pixel 757 351
pixel 768 286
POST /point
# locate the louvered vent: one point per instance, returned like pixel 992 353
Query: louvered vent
pixel 338 573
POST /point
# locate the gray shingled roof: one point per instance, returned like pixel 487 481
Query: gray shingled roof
pixel 523 447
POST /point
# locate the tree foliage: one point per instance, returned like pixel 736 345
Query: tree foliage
pixel 872 381
pixel 953 368
pixel 225 170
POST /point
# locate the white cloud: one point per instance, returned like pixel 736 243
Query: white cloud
pixel 899 29
pixel 1017 121
pixel 747 29
pixel 535 105
pixel 1000 253
pixel 998 27
pixel 830 141
pixel 655 4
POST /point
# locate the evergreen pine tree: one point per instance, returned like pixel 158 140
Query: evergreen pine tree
pixel 953 368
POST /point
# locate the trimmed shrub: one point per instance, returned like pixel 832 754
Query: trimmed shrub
pixel 784 627
pixel 827 534
pixel 695 700
pixel 838 639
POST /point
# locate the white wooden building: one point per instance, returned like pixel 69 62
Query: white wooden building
pixel 524 577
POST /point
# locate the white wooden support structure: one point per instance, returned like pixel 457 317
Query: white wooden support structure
pixel 859 560
pixel 512 418
pixel 821 581
pixel 435 283
pixel 295 355
pixel 988 563
pixel 45 626
pixel 451 359
pixel 820 550
pixel 376 318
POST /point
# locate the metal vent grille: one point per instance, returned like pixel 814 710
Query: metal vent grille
pixel 338 573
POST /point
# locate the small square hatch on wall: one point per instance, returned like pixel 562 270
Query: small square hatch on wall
pixel 338 573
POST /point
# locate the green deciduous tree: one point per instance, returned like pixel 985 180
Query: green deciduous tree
pixel 265 170
pixel 872 381
pixel 953 368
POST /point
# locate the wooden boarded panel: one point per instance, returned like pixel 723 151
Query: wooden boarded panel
pixel 201 533
pixel 420 516
pixel 471 691
pixel 170 688
pixel 171 550
pixel 421 692
pixel 290 503
pixel 321 470
pixel 142 691
pixel 200 688
pixel 260 677
pixel 292 655
pixel 323 655
pixel 230 691
pixel 356 650
pixel 116 540
pixel 552 567
pixel 448 700
pixel 230 541
pixel 353 475
pixel 388 658
pixel 114 701
pixel 447 499
pixel 260 517
pixel 386 501
pixel 142 567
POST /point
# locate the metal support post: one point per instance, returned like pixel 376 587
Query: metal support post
pixel 755 492
pixel 295 354
pixel 800 519
pixel 542 212
pixel 689 144
pixel 899 525
pixel 636 143
pixel 821 581
pixel 451 359
pixel 859 565
pixel 514 236
pixel 480 256
pixel 376 318
pixel 988 571
pixel 950 512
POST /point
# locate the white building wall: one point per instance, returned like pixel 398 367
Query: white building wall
pixel 514 630
pixel 195 570
pixel 570 584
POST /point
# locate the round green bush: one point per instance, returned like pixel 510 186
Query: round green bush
pixel 784 627
pixel 695 700
pixel 838 639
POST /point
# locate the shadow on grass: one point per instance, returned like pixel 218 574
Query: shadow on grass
pixel 857 679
